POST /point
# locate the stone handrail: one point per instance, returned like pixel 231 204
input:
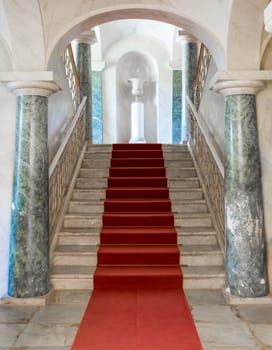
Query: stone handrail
pixel 204 59
pixel 62 167
pixel 210 166
pixel 72 75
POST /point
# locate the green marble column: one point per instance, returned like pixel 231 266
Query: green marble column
pixel 244 218
pixel 84 67
pixel 189 63
pixel 29 236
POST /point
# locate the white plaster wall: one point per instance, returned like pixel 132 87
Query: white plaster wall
pixel 60 109
pixel 212 108
pixel 7 143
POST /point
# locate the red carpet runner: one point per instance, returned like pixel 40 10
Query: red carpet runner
pixel 138 301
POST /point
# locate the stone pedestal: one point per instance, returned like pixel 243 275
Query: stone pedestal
pixel 137 122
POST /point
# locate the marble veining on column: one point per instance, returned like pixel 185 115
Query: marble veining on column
pixel 97 107
pixel 29 245
pixel 244 217
pixel 83 61
pixel 189 63
pixel 176 106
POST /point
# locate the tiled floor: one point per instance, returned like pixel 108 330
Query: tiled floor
pixel 221 327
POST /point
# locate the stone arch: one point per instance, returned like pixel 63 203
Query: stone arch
pixel 77 25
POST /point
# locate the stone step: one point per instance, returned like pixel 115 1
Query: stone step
pixel 203 277
pixel 86 207
pixel 177 194
pixel 70 296
pixel 93 172
pixel 80 237
pixel 198 206
pixel 180 172
pixel 89 195
pixel 91 183
pixel 75 255
pixel 193 220
pixel 201 255
pixel 197 236
pixel 175 148
pixel 86 255
pixel 92 207
pixel 72 277
pixel 188 182
pixel 82 221
pixel 99 148
pixel 96 163
pixel 176 160
pixel 94 154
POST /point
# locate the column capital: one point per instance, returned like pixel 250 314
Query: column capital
pixel 185 37
pixel 239 82
pixel 86 38
pixel 268 17
pixel 30 83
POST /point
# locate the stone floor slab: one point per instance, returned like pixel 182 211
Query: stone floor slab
pixel 16 314
pixel 256 313
pixel 59 314
pixel 205 296
pixel 214 314
pixel 9 333
pixel 46 335
pixel 215 334
pixel 263 333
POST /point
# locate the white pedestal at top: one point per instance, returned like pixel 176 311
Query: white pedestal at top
pixel 137 122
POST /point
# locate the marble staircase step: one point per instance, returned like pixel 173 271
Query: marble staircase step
pixel 96 163
pixel 72 277
pixel 203 277
pixel 199 206
pixel 75 255
pixel 196 236
pixel 90 195
pixel 91 183
pixel 80 236
pixel 201 255
pixel 178 183
pixel 178 161
pixel 193 220
pixel 185 193
pixel 93 172
pixel 86 207
pixel 82 221
pixel 180 173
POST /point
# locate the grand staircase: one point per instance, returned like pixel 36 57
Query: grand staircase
pixel 75 256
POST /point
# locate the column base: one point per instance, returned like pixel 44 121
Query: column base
pixel 233 300
pixel 34 301
pixel 141 140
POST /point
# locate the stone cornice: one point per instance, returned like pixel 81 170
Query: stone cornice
pixel 86 38
pixel 239 82
pixel 30 83
pixel 184 37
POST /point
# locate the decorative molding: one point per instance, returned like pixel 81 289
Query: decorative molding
pixel 185 37
pixel 42 83
pixel 98 66
pixel 86 38
pixel 34 88
pixel 239 82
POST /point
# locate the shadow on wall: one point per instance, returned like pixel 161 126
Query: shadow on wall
pixel 135 65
